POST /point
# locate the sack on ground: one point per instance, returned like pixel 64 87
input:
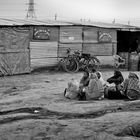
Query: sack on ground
pixel 133 94
pixel 72 90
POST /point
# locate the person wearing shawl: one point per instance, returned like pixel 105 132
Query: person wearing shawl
pixel 116 79
pixel 85 79
pixel 83 83
pixel 75 89
pixel 113 92
pixel 100 77
pixel 95 89
pixel 131 87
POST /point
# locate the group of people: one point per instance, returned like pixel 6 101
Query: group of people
pixel 92 86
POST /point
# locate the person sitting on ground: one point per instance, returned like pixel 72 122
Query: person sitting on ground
pixel 131 87
pixel 85 79
pixel 94 90
pixel 84 82
pixel 113 92
pixel 100 77
pixel 117 78
pixel 75 89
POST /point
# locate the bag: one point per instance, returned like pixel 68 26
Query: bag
pixel 113 93
pixel 71 91
pixel 108 90
pixel 132 94
pixel 70 94
pixel 82 96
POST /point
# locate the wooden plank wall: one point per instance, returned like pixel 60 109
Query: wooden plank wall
pixel 14 52
pixel 106 61
pixel 114 48
pixel 92 44
pixel 90 35
pixel 104 49
pixel 43 54
pixel 71 34
pixel 97 49
pixel 70 37
pixel 44 51
pixel 52 31
pixel 111 32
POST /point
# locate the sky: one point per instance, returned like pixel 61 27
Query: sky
pixel 94 10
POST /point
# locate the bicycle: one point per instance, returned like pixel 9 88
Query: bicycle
pixel 118 61
pixel 77 61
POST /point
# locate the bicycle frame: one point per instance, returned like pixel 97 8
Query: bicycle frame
pixel 82 60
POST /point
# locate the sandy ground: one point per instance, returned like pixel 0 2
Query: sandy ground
pixel 32 107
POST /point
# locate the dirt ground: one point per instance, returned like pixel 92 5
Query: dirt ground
pixel 32 107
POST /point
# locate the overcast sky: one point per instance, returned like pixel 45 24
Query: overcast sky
pixel 95 10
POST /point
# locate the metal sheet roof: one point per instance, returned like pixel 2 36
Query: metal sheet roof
pixel 13 22
pixel 105 25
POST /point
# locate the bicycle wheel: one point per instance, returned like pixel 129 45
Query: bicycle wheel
pixel 93 63
pixel 60 64
pixel 71 65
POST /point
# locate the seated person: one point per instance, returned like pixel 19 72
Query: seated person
pixel 85 79
pixel 99 75
pixel 94 90
pixel 75 89
pixel 113 92
pixel 131 87
pixel 84 82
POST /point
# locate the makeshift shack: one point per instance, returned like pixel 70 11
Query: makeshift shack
pixel 29 44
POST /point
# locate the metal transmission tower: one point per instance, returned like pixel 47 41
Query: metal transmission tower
pixel 31 10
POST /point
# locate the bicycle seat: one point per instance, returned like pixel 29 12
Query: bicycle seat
pixel 68 51
pixel 85 55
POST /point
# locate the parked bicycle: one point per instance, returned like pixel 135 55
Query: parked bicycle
pixel 77 61
pixel 118 61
